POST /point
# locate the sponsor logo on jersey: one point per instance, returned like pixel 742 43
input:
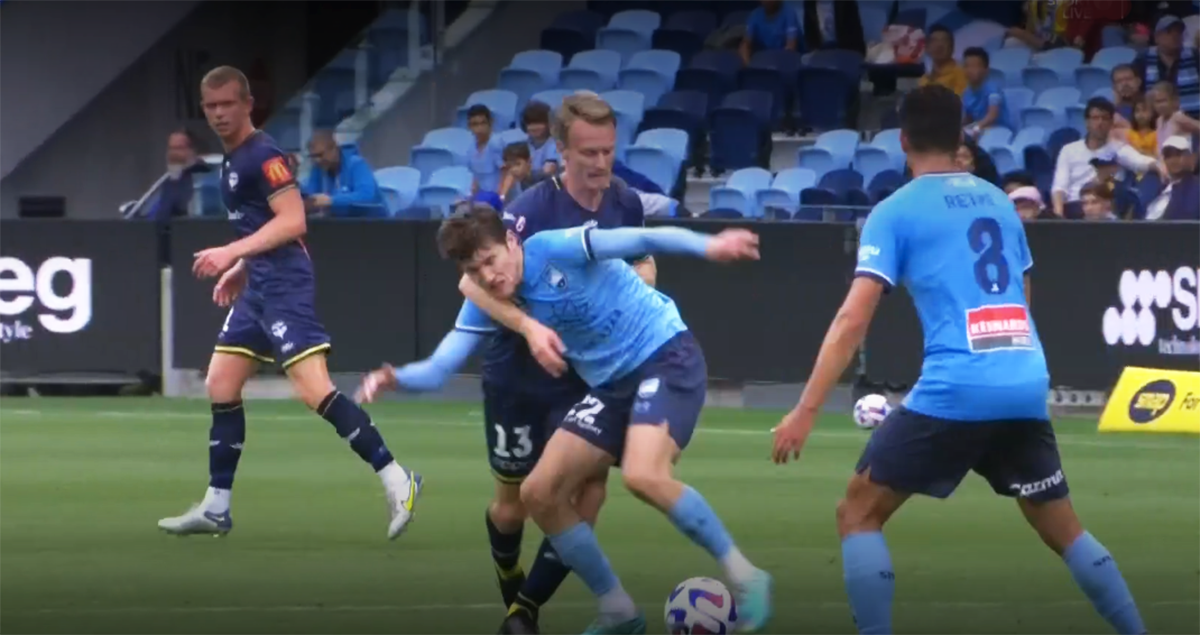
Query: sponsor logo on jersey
pixel 277 172
pixel 1159 310
pixel 999 327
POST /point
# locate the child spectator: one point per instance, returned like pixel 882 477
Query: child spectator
pixel 983 100
pixel 484 159
pixel 535 120
pixel 1143 135
pixel 1097 199
pixel 1028 201
pixel 518 174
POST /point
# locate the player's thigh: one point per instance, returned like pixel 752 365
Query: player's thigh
pixel 242 333
pixel 310 379
pixel 666 403
pixel 914 453
pixel 227 374
pixel 515 432
pixel 569 461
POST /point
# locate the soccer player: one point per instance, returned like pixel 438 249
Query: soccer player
pixel 523 403
pixel 956 243
pixel 267 277
pixel 647 380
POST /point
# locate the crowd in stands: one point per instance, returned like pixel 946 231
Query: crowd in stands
pixel 1079 109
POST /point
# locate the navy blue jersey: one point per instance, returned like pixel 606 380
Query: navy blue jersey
pixel 251 175
pixel 547 206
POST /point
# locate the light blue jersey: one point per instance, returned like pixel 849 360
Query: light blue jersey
pixel 608 318
pixel 955 242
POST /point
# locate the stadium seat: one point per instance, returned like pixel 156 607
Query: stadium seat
pixel 684 33
pixel 651 73
pixel 1075 118
pixel 870 160
pixel 1039 159
pixel 840 181
pixel 399 186
pixel 441 148
pixel 388 40
pixel 775 72
pixel 508 137
pixel 1105 93
pixel 740 192
pixel 595 70
pixel 446 187
pixel 628 106
pixel 813 202
pixel 530 72
pixel 1063 60
pixel 740 130
pixel 1091 78
pixel 545 63
pixel 824 97
pixel 1040 79
pixel 884 184
pixel 628 32
pixel 713 73
pixel 1050 110
pixel 552 98
pixel 784 191
pixel 640 20
pixel 1110 56
pixel 502 104
pixel 1112 35
pixel 659 155
pixel 722 214
pixel 833 150
pixel 1016 100
pixel 685 110
pixel 1010 61
pixel 571 33
pixel 994 137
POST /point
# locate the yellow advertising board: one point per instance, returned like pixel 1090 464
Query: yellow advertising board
pixel 1151 400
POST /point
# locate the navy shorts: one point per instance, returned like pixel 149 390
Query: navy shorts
pixel 280 329
pixel 918 454
pixel 517 428
pixel 669 388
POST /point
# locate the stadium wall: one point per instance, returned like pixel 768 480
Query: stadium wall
pixel 111 150
pixel 475 63
pixel 1105 296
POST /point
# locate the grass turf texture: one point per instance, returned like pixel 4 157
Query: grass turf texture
pixel 83 481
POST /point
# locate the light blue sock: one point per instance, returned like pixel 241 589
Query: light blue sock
pixel 1096 573
pixel 692 516
pixel 870 581
pixel 579 550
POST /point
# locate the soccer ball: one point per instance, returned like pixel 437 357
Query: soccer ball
pixel 870 411
pixel 700 605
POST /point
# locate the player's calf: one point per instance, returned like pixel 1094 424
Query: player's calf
pixel 866 562
pixel 505 521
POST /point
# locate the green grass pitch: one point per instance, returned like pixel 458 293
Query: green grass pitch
pixel 83 482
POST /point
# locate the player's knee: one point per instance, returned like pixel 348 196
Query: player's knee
pixel 507 513
pixel 537 495
pixel 856 514
pixel 310 380
pixel 1054 521
pixel 649 485
pixel 223 384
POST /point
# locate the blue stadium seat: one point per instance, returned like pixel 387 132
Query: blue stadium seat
pixel 870 160
pixel 530 72
pixel 1075 118
pixel 552 98
pixel 1012 158
pixel 1112 35
pixel 685 110
pixel 640 20
pixel 1040 79
pixel 1089 79
pixel 659 155
pixel 1062 60
pixel 784 192
pixel 740 192
pixel 284 127
pixel 684 33
pixel 840 181
pixel 1016 100
pixel 651 73
pixel 889 140
pixel 739 128
pixel 628 32
pixel 824 97
pixel 884 184
pixel 595 70
pixel 1010 61
pixel 508 137
pixel 833 150
pixel 721 214
pixel 399 186
pixel 1106 93
pixel 586 21
pixel 713 73
pixel 1110 56
pixel 848 62
pixel 446 187
pixel 813 201
pixel 994 137
pixel 734 18
pixel 1050 110
pixel 629 107
pixel 775 72
pixel 572 33
pixel 545 63
pixel 502 104
pixel 441 148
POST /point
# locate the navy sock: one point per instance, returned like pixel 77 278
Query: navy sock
pixel 870 581
pixel 506 549
pixel 1096 573
pixel 354 425
pixel 545 576
pixel 225 439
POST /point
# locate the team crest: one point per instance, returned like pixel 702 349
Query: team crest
pixel 233 180
pixel 648 388
pixel 556 278
pixel 278 329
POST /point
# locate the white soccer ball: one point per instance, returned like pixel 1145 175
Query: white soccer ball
pixel 700 605
pixel 870 411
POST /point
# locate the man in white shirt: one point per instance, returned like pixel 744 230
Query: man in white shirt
pixel 1075 162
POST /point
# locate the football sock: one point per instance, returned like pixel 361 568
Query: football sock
pixel 545 576
pixel 1096 573
pixel 692 515
pixel 225 439
pixel 354 425
pixel 506 553
pixel 581 552
pixel 870 581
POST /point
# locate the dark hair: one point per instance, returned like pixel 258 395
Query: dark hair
pixel 1018 178
pixel 931 119
pixel 194 141
pixel 1133 120
pixel 478 110
pixel 941 28
pixel 976 51
pixel 1099 103
pixel 470 229
pixel 1099 189
pixel 515 151
pixel 535 112
pixel 1121 67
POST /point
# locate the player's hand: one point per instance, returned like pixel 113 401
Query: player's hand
pixel 731 245
pixel 374 382
pixel 229 287
pixel 546 346
pixel 321 200
pixel 213 262
pixel 790 435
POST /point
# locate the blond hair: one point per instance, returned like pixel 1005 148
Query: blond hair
pixel 223 75
pixel 582 105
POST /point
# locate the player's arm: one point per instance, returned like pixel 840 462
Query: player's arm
pixel 288 222
pixel 502 311
pixel 628 242
pixel 645 266
pixel 470 328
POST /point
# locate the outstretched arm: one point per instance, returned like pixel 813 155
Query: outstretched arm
pixel 431 373
pixel 626 242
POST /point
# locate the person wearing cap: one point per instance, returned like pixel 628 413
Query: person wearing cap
pixel 1028 201
pixel 1181 198
pixel 1168 60
pixel 1075 166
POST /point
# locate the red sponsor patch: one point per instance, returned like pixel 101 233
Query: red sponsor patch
pixel 999 327
pixel 277 172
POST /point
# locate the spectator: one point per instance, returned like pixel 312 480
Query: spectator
pixel 1171 120
pixel 341 183
pixel 485 159
pixel 1014 181
pixel 1028 201
pixel 1143 135
pixel 771 26
pixel 183 167
pixel 971 158
pixel 1076 162
pixel 983 100
pixel 1169 61
pixel 1045 24
pixel 535 120
pixel 1097 201
pixel 939 46
pixel 517 173
pixel 833 25
pixel 1127 89
pixel 1181 198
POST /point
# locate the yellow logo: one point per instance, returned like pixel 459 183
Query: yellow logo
pixel 277 172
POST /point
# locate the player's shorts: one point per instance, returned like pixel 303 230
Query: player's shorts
pixel 669 388
pixel 918 454
pixel 518 427
pixel 280 329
